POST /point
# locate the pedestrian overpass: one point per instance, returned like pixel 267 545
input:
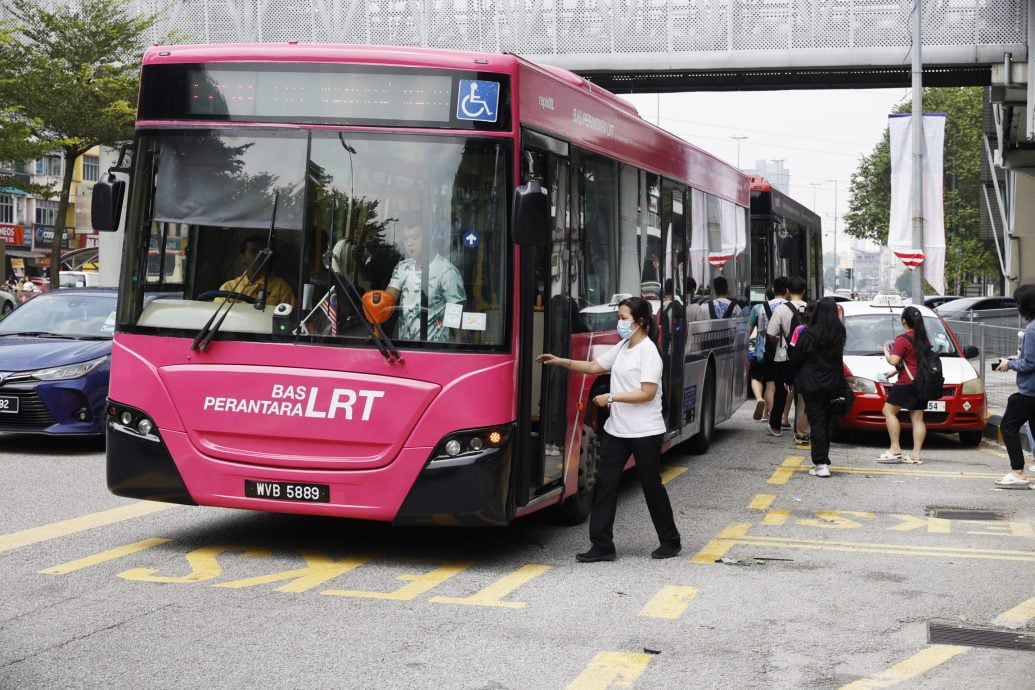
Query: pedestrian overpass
pixel 686 45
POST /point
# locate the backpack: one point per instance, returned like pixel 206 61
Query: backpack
pixel 758 349
pixel 797 319
pixel 717 310
pixel 929 379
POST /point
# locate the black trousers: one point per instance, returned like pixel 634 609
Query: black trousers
pixel 1020 408
pixel 817 409
pixel 777 374
pixel 614 451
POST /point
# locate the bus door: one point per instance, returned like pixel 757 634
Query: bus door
pixel 673 299
pixel 554 314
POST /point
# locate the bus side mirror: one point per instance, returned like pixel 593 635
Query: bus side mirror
pixel 530 214
pixel 106 203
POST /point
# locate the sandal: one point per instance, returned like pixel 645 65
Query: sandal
pixel 889 458
pixel 1012 481
pixel 910 460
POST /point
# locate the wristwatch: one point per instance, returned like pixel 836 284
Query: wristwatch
pixel 610 399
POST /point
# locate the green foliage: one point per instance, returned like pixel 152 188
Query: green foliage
pixel 68 78
pixel 870 192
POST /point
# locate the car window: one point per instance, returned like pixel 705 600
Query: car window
pixel 64 314
pixel 866 334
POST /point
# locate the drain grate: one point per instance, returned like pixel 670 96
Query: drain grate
pixel 941 633
pixel 967 514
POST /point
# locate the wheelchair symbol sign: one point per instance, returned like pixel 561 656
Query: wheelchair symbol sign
pixel 478 100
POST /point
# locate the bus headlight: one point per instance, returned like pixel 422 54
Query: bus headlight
pixel 452 448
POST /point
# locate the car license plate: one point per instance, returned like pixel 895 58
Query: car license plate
pixel 288 491
pixel 9 404
pixel 935 406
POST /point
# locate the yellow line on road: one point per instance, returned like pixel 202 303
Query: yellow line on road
pixel 717 548
pixel 670 473
pixel 670 602
pixel 103 557
pixel 1018 616
pixel 724 541
pixel 920 663
pixel 612 669
pixel 761 501
pixel 948 474
pixel 80 524
pixel 783 473
pixel 494 593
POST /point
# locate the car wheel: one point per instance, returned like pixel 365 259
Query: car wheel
pixel 970 439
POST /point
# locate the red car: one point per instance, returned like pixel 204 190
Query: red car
pixel 869 325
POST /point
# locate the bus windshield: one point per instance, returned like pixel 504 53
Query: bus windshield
pixel 413 226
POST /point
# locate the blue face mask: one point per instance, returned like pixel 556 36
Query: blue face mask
pixel 625 329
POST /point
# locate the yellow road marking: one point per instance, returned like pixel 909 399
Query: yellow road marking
pixel 920 663
pixel 494 593
pixel 670 473
pixel 103 557
pixel 318 569
pixel 611 669
pixel 1018 616
pixel 670 602
pixel 783 473
pixel 948 474
pixel 419 584
pixel 64 528
pixel 737 534
pixel 203 565
pixel 717 548
pixel 761 501
pixel 776 517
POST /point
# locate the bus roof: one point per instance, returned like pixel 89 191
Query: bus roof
pixel 550 99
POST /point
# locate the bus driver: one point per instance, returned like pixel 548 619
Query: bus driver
pixel 256 277
pixel 445 286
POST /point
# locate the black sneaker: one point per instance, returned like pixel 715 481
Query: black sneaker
pixel 666 551
pixel 595 555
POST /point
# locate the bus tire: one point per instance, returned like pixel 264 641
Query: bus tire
pixel 698 443
pixel 971 439
pixel 575 509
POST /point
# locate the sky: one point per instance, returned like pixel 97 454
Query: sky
pixel 821 135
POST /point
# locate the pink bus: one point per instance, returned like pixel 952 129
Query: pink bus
pixel 372 245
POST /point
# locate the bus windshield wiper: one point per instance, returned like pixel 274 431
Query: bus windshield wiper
pixel 259 263
pixel 344 285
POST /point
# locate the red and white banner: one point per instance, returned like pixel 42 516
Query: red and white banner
pixel 900 225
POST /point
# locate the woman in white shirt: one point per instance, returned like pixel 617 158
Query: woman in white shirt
pixel 634 427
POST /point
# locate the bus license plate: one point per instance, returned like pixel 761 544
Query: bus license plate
pixel 8 404
pixel 288 491
pixel 935 406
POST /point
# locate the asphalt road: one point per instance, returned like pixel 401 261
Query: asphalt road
pixel 785 581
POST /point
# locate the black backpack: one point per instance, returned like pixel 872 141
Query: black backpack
pixel 929 381
pixel 797 319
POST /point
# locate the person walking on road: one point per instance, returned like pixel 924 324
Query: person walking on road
pixel 817 369
pixel 778 333
pixel 635 426
pixel 1020 407
pixel 904 356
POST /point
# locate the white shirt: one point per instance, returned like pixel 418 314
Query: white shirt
pixel 630 367
pixel 780 326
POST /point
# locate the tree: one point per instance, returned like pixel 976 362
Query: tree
pixel 69 79
pixel 869 205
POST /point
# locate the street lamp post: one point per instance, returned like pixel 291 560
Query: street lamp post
pixel 814 185
pixel 739 139
pixel 835 233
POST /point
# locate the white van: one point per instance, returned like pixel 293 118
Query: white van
pixel 74 279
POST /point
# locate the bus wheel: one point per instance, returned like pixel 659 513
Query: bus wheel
pixel 699 442
pixel 575 509
pixel 970 439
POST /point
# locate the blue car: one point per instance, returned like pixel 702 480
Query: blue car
pixel 55 353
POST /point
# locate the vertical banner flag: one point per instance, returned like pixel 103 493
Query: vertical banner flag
pixel 900 225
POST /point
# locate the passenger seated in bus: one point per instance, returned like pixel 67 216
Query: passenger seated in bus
pixel 256 277
pixel 445 286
